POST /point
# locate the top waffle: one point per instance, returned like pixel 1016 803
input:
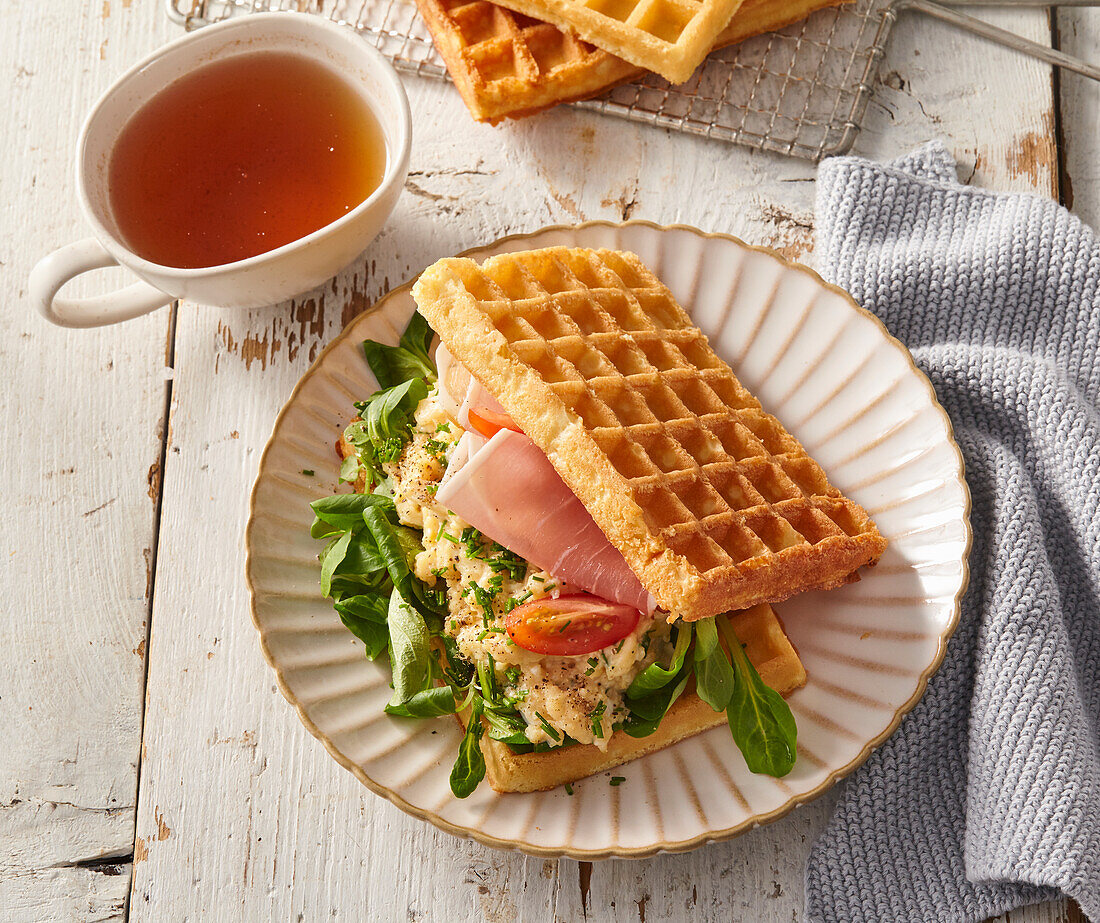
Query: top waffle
pixel 710 500
pixel 669 37
pixel 507 65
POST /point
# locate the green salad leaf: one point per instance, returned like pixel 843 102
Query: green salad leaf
pixel 409 359
pixel 506 725
pixel 410 650
pixel 331 557
pixel 647 713
pixel 469 768
pixel 760 721
pixel 416 694
pixel 384 426
pixel 714 675
pixel 341 511
pixel 365 617
pixel 706 638
pixel 434 702
pixel 655 676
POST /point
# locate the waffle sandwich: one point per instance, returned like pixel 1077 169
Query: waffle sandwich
pixel 568 524
pixel 712 503
pixel 507 65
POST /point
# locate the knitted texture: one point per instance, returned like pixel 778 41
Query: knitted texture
pixel 988 795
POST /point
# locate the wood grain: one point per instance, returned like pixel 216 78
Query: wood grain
pixel 82 414
pixel 1079 34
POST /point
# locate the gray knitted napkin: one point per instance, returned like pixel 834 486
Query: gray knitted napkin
pixel 988 796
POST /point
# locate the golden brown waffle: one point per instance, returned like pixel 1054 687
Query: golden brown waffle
pixel 669 37
pixel 713 504
pixel 506 65
pixel 756 16
pixel 769 651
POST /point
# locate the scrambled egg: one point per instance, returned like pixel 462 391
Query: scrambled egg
pixel 582 696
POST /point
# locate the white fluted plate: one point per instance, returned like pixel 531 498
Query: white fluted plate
pixel 838 381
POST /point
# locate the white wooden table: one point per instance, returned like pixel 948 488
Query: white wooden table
pixel 150 769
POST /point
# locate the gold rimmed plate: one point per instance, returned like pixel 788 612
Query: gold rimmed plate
pixel 839 382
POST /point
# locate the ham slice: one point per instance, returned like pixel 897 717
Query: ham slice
pixel 453 380
pixel 459 390
pixel 508 490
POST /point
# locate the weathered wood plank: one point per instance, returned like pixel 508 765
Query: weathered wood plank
pixel 96 895
pixel 239 807
pixel 993 107
pixel 82 413
pixel 1079 34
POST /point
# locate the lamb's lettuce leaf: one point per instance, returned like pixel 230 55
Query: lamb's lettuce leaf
pixel 655 676
pixel 393 365
pixel 469 768
pixel 714 675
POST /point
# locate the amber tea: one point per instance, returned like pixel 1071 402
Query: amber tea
pixel 242 156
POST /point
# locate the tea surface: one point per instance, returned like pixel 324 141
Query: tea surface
pixel 242 156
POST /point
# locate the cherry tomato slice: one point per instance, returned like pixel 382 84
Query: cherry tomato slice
pixel 490 422
pixel 570 625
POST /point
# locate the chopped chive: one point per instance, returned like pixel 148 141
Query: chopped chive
pixel 617 780
pixel 597 724
pixel 548 727
pixel 308 472
pixel 568 789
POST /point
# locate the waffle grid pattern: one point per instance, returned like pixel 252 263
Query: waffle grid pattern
pixel 669 37
pixel 802 90
pixel 533 48
pixel 720 480
pixel 507 64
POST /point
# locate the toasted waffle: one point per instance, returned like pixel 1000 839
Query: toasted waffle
pixel 506 65
pixel 713 504
pixel 767 648
pixel 669 37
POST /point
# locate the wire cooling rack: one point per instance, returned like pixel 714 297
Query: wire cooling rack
pixel 802 90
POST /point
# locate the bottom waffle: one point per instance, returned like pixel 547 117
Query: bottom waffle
pixel 506 65
pixel 767 647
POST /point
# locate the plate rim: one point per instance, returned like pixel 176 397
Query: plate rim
pixel 664 846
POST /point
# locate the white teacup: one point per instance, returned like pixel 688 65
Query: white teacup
pixel 260 280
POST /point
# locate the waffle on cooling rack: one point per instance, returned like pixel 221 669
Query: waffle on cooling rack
pixel 507 65
pixel 668 37
pixel 710 500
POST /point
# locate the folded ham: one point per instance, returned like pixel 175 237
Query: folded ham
pixel 506 488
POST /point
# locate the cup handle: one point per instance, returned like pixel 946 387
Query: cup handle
pixel 53 271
